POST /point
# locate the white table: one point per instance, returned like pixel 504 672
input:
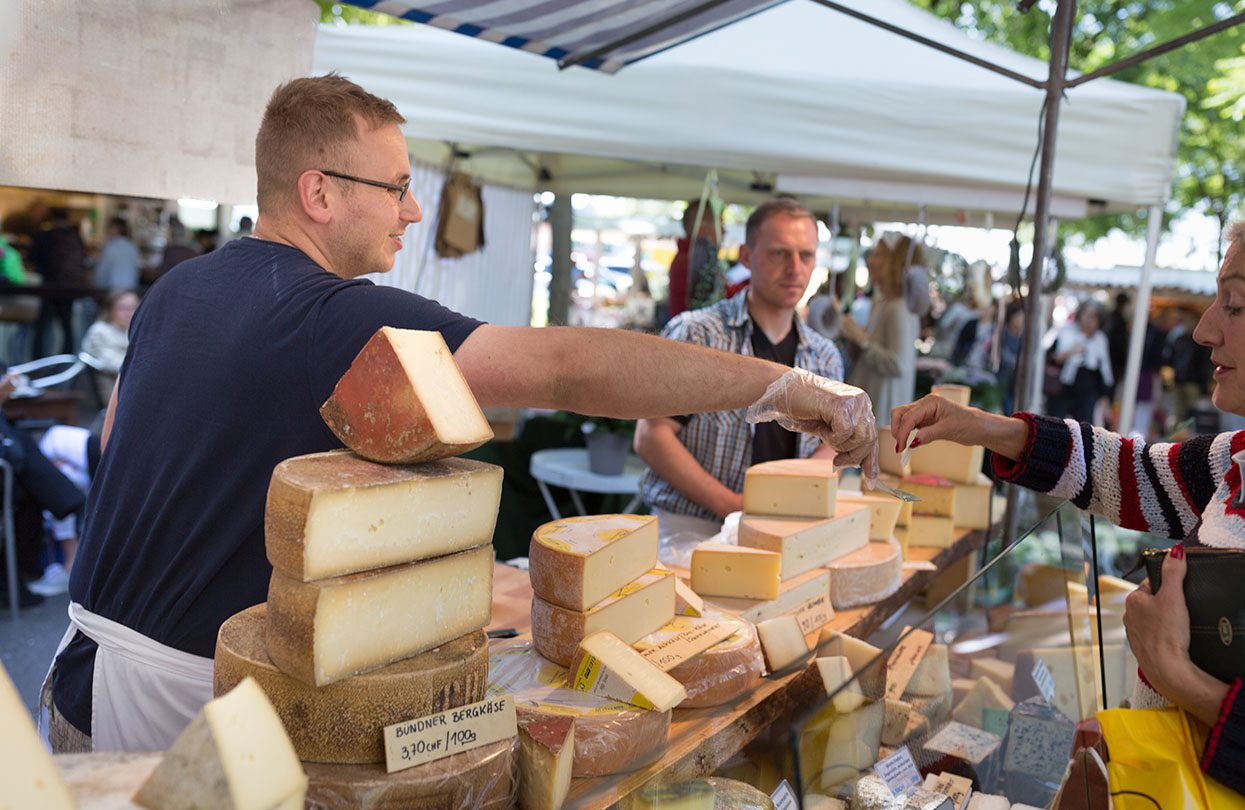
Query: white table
pixel 567 467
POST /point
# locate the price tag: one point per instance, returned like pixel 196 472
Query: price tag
pixel 901 665
pixel 1044 679
pixel 783 797
pixel 964 741
pixel 690 637
pixel 956 788
pixel 898 771
pixel 436 736
pixel 815 613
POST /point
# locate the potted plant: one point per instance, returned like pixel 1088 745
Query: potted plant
pixel 607 440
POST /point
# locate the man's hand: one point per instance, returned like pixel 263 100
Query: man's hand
pixel 839 414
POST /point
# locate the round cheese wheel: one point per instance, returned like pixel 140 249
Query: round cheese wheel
pixel 344 721
pixel 484 777
pixel 728 669
pixel 610 737
pixel 567 557
pixel 866 575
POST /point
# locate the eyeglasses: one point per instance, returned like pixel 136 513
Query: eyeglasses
pixel 396 189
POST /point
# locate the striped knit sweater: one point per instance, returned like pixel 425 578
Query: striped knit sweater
pixel 1188 491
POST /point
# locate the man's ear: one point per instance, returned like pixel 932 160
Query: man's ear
pixel 745 256
pixel 314 195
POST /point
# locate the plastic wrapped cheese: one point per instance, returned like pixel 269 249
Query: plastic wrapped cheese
pixel 720 674
pixel 610 737
pixel 866 576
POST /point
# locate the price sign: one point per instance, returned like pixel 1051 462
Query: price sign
pixel 425 739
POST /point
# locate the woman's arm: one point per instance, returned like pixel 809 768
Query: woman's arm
pixel 881 351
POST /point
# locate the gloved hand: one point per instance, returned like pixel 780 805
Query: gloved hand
pixel 839 414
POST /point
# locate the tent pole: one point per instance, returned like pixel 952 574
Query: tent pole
pixel 561 268
pixel 1141 318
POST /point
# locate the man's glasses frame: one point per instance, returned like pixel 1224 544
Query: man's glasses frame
pixel 400 190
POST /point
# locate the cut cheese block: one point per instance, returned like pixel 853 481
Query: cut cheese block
pixel 1001 672
pixel 605 666
pixel 835 747
pixel 334 513
pixel 630 613
pixel 720 674
pixel 931 531
pixel 793 487
pixel 883 511
pixel 404 400
pixel 1078 684
pixel 866 576
pixel 890 460
pixel 806 543
pixel 481 778
pixel 320 632
pixel 937 494
pixel 721 569
pixel 932 677
pixel 865 659
pixel 895 722
pixel 577 562
pixel 807 597
pixel 28 777
pixel 955 462
pixel 783 642
pixel 985 695
pixel 842 687
pixel 972 504
pixel 344 722
pixel 546 755
pixel 234 754
pixel 959 394
pixel 937 709
pixel 686 601
pixel 610 736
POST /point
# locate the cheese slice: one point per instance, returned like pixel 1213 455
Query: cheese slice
pixel 806 543
pixel 932 677
pixel 883 511
pixel 234 754
pixel 955 462
pixel 320 632
pixel 546 757
pixel 937 494
pixel 334 513
pixel 630 613
pixel 794 487
pixel 28 776
pixel 959 394
pixel 721 569
pixel 404 400
pixel 931 531
pixel 866 576
pixel 344 721
pixel 864 658
pixel 851 743
pixel 728 669
pixel 890 460
pixel 985 695
pixel 577 562
pixel 605 666
pixel 840 684
pixel 783 642
pixel 972 504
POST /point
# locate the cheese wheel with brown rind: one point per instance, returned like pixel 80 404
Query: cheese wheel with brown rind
pixel 610 737
pixel 636 610
pixel 723 672
pixel 866 576
pixel 344 721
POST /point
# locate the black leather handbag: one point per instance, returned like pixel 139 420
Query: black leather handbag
pixel 1214 590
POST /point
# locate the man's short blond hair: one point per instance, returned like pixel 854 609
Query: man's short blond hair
pixel 306 125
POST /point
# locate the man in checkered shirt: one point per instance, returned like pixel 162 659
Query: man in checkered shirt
pixel 697 463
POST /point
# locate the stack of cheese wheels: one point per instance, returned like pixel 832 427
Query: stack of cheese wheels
pixel 382 572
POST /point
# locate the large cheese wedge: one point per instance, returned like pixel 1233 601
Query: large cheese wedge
pixel 610 736
pixel 807 543
pixel 842 687
pixel 604 665
pixel 835 747
pixel 865 659
pixel 932 531
pixel 234 754
pixel 937 494
pixel 883 510
pixel 320 632
pixel 631 613
pixel 481 778
pixel 721 673
pixel 404 400
pixel 722 569
pixel 794 487
pixel 985 695
pixel 955 462
pixel 28 777
pixel 334 513
pixel 577 562
pixel 866 576
pixel 344 721
pixel 783 642
pixel 895 721
pixel 972 504
pixel 807 597
pixel 546 757
pixel 932 676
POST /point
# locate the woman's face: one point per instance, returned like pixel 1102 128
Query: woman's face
pixel 123 311
pixel 1087 318
pixel 1222 328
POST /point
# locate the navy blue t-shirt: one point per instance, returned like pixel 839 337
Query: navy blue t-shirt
pixel 231 355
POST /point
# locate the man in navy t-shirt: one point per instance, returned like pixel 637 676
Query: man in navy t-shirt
pixel 231 354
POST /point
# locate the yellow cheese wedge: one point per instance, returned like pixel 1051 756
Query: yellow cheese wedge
pixel 795 487
pixel 607 667
pixel 721 569
pixel 972 504
pixel 955 462
pixel 807 543
pixel 807 597
pixel 884 511
pixel 576 562
pixel 28 776
pixel 782 641
pixel 937 494
pixel 932 531
pixel 836 674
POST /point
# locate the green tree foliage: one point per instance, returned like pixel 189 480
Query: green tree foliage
pixel 345 14
pixel 1210 74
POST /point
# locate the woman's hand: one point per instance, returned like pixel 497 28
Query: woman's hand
pixel 936 418
pixel 853 331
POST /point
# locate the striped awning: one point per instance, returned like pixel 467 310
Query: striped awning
pixel 604 35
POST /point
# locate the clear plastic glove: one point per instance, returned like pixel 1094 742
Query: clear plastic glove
pixel 839 414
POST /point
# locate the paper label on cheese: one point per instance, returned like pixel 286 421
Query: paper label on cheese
pixel 583 536
pixel 1044 680
pixel 815 613
pixel 898 771
pixel 903 661
pixel 595 678
pixel 783 797
pixel 956 788
pixel 963 741
pixel 683 638
pixel 436 736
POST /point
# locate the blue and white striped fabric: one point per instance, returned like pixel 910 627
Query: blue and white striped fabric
pixel 566 30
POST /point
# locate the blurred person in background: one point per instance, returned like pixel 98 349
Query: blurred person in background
pixel 58 254
pixel 117 266
pixel 109 337
pixel 1081 351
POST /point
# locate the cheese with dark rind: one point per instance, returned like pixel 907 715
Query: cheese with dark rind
pixel 723 672
pixel 579 561
pixel 320 632
pixel 344 722
pixel 334 513
pixel 631 613
pixel 403 400
pixel 546 759
pixel 484 778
